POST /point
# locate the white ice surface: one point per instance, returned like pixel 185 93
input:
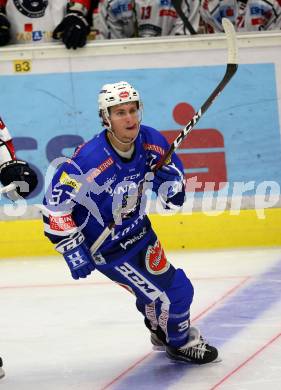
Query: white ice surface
pixel 59 334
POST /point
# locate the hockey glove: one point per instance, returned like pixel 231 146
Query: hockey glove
pixel 73 30
pixel 168 180
pixel 4 29
pixel 77 255
pixel 168 183
pixel 19 172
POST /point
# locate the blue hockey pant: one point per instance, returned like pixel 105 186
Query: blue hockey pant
pixel 163 294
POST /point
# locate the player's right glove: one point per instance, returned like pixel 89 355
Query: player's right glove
pixel 168 180
pixel 168 184
pixel 4 29
pixel 20 172
pixel 77 255
pixel 73 29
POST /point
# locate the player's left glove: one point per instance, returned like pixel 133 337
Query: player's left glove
pixel 21 173
pixel 77 255
pixel 73 30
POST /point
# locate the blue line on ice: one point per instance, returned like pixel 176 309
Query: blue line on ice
pixel 219 327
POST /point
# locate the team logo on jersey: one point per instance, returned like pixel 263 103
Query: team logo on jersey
pixel 31 8
pixel 155 259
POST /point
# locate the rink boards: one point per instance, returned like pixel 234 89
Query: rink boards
pixel 196 231
pixel 48 101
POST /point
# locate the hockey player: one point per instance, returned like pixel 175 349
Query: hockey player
pixel 13 169
pixel 246 15
pixel 27 21
pixel 143 18
pixel 106 180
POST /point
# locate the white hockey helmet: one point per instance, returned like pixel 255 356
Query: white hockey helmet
pixel 113 94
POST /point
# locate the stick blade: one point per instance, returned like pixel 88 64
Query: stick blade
pixel 231 41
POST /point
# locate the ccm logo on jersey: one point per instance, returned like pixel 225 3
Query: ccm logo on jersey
pixel 155 259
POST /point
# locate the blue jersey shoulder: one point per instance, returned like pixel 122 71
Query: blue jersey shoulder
pixel 91 152
pixel 153 136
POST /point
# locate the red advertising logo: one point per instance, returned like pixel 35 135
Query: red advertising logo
pixel 155 259
pixel 124 94
pixel 207 165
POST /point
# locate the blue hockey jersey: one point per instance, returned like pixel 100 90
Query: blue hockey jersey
pixel 89 189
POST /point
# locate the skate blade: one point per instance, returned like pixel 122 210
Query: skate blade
pixel 174 360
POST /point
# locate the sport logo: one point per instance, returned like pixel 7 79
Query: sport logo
pixel 65 179
pixel 61 223
pixel 138 280
pixel 101 168
pixel 124 94
pixel 133 239
pixel 31 9
pixel 155 259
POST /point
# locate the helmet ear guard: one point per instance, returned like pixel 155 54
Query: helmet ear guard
pixel 104 121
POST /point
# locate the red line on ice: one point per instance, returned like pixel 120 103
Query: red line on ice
pixel 130 368
pixel 101 283
pixel 224 379
pixel 126 371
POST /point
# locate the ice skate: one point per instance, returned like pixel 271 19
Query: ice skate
pixel 158 344
pixel 195 351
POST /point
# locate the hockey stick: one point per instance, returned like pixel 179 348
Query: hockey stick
pixel 186 22
pixel 8 188
pixel 231 68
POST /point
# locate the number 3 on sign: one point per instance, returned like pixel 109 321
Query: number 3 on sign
pixel 22 66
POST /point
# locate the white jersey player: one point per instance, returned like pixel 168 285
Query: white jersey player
pixel 246 15
pixel 7 150
pixel 13 170
pixel 143 18
pixel 41 21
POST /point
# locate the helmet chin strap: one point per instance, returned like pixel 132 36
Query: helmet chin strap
pixel 121 142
